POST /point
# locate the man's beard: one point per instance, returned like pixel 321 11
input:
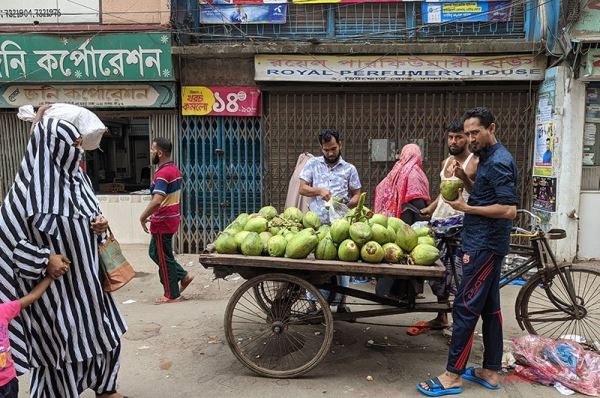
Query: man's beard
pixel 456 151
pixel 155 159
pixel 333 161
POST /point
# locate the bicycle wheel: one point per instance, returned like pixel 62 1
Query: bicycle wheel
pixel 278 332
pixel 547 309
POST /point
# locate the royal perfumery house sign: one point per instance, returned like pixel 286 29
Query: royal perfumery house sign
pixel 326 68
pixel 98 57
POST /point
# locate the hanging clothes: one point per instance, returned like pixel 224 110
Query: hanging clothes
pixel 294 199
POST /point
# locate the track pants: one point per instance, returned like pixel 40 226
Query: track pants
pixel 478 295
pixel 169 270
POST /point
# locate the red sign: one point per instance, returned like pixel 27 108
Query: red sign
pixel 220 101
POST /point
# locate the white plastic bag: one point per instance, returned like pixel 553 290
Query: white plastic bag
pixel 89 125
pixel 336 209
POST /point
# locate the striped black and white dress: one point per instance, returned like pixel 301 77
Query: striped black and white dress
pixel 70 338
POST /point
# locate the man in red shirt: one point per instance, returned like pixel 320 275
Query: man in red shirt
pixel 163 215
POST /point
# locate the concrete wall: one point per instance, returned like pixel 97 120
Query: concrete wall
pixel 123 213
pixel 570 105
pixel 136 12
pixel 217 72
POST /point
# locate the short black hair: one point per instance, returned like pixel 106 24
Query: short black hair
pixel 329 134
pixel 455 126
pixel 164 144
pixel 485 116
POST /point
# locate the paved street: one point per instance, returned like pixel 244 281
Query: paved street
pixel 178 350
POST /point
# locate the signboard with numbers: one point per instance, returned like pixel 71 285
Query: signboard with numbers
pixel 49 11
pixel 220 101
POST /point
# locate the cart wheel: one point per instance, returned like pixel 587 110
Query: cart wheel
pixel 278 332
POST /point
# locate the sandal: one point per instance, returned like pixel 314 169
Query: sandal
pixel 164 300
pixel 471 376
pixel 436 389
pixel 185 282
pixel 422 327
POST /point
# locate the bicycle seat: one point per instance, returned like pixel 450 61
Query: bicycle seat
pixel 556 234
pixel 447 231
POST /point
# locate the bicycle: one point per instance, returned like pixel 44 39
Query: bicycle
pixel 559 300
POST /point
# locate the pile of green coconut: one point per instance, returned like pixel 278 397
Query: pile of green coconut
pixel 359 235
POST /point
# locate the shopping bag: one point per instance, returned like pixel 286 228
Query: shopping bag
pixel 116 270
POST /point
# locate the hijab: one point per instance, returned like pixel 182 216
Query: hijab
pixel 407 181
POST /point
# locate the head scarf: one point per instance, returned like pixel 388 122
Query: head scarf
pixel 404 183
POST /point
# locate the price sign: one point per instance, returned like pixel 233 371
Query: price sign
pixel 220 101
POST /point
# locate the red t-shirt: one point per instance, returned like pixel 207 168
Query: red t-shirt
pixel 8 311
pixel 167 182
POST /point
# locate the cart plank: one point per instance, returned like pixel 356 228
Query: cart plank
pixel 338 267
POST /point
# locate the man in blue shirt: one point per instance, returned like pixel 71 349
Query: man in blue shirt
pixel 486 237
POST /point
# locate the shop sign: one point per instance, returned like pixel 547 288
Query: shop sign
pixel 220 101
pixel 359 69
pixel 243 14
pixel 94 57
pixel 29 12
pixel 154 95
pixel 590 67
pixel 473 11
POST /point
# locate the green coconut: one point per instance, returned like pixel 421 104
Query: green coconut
pixel 372 252
pixel 311 220
pixel 450 187
pixel 424 254
pixel 380 234
pixel 348 251
pixel 360 233
pixel 276 246
pixel 392 253
pixel 301 245
pixel 406 238
pixel 225 244
pixel 293 214
pixel 426 240
pixel 379 219
pixel 239 238
pixel 256 224
pixel 423 231
pixel 268 212
pixel 252 245
pixel 395 223
pixel 340 230
pixel 326 250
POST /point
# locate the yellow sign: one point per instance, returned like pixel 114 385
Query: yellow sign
pixel 196 100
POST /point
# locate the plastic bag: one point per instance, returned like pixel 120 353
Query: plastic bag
pixel 564 361
pixel 336 209
pixel 89 125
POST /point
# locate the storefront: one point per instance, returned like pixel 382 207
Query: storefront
pixel 127 79
pixel 384 102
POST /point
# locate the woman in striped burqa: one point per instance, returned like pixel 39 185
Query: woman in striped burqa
pixel 50 222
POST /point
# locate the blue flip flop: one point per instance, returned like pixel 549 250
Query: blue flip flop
pixel 436 389
pixel 470 375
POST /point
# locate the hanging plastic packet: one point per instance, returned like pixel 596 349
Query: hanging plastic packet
pixel 336 208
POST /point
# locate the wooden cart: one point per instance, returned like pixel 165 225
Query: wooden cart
pixel 279 324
